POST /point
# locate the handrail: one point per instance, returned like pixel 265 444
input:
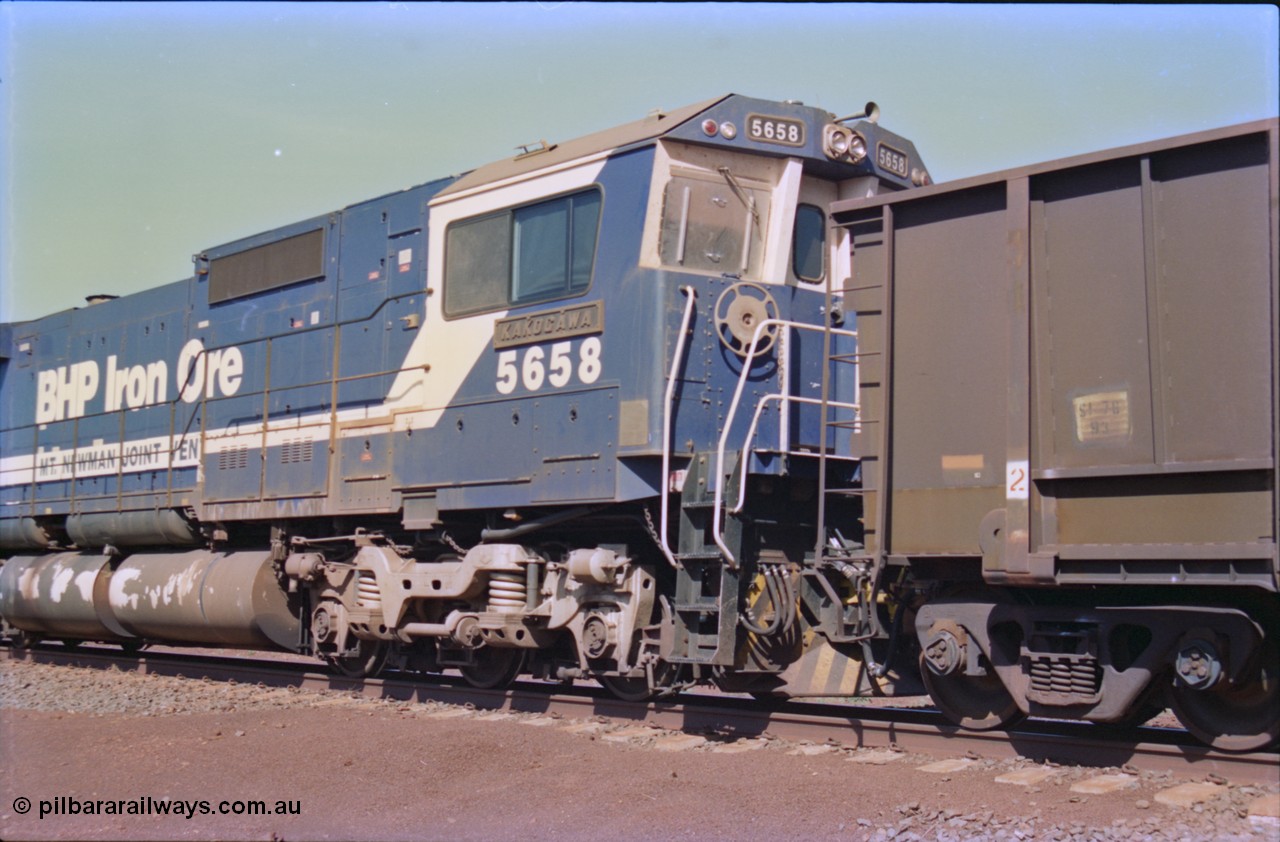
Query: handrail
pixel 755 421
pixel 668 401
pixel 716 519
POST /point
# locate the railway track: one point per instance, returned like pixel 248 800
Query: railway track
pixel 924 731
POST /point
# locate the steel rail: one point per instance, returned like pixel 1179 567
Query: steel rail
pixel 847 726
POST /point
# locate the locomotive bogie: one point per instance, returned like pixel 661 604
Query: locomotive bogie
pixel 496 597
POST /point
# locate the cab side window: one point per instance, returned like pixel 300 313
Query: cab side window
pixel 555 244
pixel 808 244
pixel 531 253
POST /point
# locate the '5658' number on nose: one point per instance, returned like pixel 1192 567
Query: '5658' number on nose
pixel 557 368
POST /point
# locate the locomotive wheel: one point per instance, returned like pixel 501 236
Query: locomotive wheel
pixel 1235 717
pixel 493 669
pixel 757 685
pixel 637 689
pixel 370 658
pixel 979 703
pixel 132 647
pixel 628 689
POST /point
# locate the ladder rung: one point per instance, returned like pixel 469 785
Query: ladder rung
pixel 851 425
pixel 807 454
pixel 849 557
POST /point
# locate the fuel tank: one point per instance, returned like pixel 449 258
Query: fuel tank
pixel 229 599
pixel 59 595
pixel 201 597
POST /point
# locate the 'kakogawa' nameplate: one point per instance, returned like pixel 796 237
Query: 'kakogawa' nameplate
pixel 577 320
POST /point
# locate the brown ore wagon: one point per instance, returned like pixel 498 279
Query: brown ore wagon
pixel 1069 373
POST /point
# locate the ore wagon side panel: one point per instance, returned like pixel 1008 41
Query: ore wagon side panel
pixel 944 391
pixel 1213 241
pixel 1153 317
pixel 1081 364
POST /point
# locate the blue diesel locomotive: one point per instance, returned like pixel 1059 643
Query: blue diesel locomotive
pixel 732 394
pixel 571 413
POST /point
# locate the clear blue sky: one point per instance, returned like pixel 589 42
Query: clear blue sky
pixel 135 135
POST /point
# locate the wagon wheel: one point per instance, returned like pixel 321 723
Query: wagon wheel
pixel 370 657
pixel 1242 716
pixel 976 702
pixel 1147 707
pixel 493 669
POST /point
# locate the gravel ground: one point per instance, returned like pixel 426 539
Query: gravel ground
pixel 96 745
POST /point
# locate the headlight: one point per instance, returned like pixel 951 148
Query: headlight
pixel 843 144
pixel 857 148
pixel 835 141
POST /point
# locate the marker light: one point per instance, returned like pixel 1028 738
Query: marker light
pixel 709 128
pixel 728 131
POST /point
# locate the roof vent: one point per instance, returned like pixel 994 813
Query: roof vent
pixel 99 298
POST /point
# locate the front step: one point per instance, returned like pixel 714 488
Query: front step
pixel 705 605
pixel 705 632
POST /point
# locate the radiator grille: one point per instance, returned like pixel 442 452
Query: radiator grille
pixel 295 450
pixel 232 458
pixel 270 266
